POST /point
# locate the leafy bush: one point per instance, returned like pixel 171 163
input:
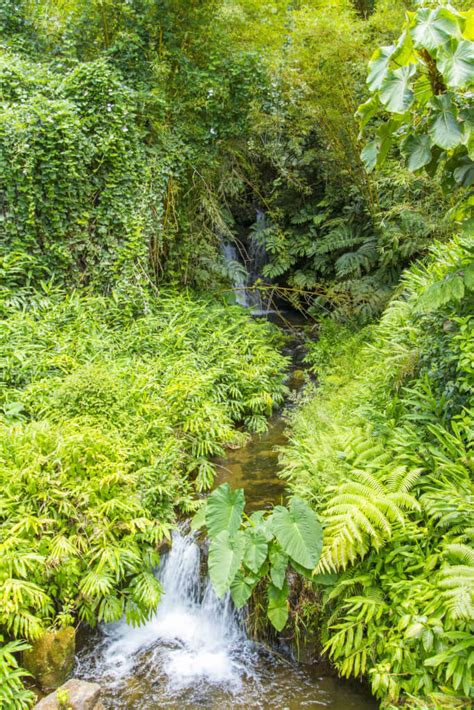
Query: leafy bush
pixel 422 81
pixel 384 451
pixel 263 547
pixel 112 409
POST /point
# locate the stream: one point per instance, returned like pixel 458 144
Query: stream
pixel 195 652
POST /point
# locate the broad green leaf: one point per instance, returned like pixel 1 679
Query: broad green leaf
pixel 423 90
pixel 299 532
pixel 261 524
pixel 455 61
pixel 224 510
pixel 432 29
pixel 385 139
pixel 241 590
pixel 225 557
pixel 278 608
pixel 369 155
pixel 366 111
pixel 396 92
pixel 379 66
pixel 256 549
pixel 199 518
pixel 445 131
pixel 417 151
pixel 464 173
pixel 404 51
pixel 279 564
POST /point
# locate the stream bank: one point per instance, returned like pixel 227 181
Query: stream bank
pixel 195 652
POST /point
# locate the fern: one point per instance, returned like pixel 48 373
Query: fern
pixel 361 514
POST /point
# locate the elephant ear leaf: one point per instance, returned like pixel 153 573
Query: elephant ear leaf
pixel 225 557
pixel 379 66
pixel 241 590
pixel 433 28
pixel 199 519
pixel 417 151
pixel 224 510
pixel 299 532
pixel 396 92
pixel 256 549
pixel 456 62
pixel 445 131
pixel 278 608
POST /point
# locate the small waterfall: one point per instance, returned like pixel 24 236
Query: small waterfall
pixel 246 268
pixel 237 273
pixel 194 653
pixel 194 640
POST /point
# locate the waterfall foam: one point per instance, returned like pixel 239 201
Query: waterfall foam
pixel 194 653
pixel 193 638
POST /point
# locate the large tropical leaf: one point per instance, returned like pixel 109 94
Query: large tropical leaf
pixel 396 92
pixel 199 518
pixel 261 524
pixel 224 510
pixel 369 154
pixel 433 28
pixel 455 61
pixel 241 589
pixel 379 66
pixel 225 557
pixel 278 606
pixel 299 532
pixel 445 131
pixel 417 150
pixel 279 563
pixel 256 549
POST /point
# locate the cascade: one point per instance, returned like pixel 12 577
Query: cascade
pixel 195 653
pixel 245 267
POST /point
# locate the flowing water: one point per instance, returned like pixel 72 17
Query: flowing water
pixel 195 653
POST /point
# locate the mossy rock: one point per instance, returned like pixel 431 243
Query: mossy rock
pixel 51 658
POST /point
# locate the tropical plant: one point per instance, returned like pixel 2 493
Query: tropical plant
pixel 384 452
pixel 13 695
pixel 423 82
pixel 263 546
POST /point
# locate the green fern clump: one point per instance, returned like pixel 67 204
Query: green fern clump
pixel 384 451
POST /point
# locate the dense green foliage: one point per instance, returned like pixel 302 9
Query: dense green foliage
pixel 384 451
pixel 137 138
pixel 166 129
pixel 112 409
pixel 423 82
pixel 260 549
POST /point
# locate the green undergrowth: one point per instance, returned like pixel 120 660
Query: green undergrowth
pixel 112 409
pixel 383 450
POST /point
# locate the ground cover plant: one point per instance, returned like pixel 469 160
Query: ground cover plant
pixel 111 411
pixel 384 452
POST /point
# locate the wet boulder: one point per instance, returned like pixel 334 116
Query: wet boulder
pixel 51 658
pixel 73 695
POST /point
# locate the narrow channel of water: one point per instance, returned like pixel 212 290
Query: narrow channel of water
pixel 195 653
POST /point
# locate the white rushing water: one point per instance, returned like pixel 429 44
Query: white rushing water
pixel 194 639
pixel 194 653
